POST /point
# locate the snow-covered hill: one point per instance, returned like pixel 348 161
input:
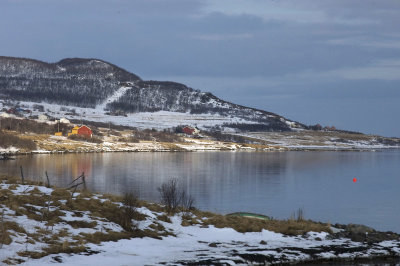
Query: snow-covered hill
pixel 108 89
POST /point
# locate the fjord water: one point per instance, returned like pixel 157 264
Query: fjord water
pixel 270 183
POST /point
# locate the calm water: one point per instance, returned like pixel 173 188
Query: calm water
pixel 275 184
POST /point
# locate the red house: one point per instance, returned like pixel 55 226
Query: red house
pixel 84 130
pixel 190 130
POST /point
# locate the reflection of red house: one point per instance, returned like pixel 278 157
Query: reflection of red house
pixel 84 130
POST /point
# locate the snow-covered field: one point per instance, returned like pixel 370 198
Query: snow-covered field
pixel 143 120
pixel 197 243
pixel 311 140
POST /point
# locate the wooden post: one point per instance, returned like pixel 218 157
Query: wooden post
pixel 84 181
pixel 3 231
pixel 22 176
pixel 48 181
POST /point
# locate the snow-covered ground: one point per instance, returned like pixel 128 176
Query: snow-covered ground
pixel 143 120
pixel 116 95
pixel 198 245
pixel 189 244
pixel 311 140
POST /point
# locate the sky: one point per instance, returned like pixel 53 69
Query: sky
pixel 332 62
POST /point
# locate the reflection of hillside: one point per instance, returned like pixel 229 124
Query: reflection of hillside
pixel 72 165
pixel 306 160
pixel 211 176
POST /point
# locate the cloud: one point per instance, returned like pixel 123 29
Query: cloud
pixel 366 42
pixel 380 70
pixel 222 37
pixel 289 11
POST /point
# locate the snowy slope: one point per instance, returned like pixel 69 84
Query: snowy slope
pixel 98 85
pixel 114 97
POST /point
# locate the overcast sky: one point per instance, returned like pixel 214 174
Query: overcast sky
pixel 333 62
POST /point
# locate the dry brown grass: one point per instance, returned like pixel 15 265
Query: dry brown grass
pixel 151 206
pixel 108 210
pixel 60 194
pixel 171 146
pixel 246 224
pixel 164 218
pixel 81 224
pixel 187 221
pixel 99 237
pixel 64 247
pixel 8 139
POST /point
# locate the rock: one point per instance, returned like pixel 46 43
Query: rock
pixel 212 245
pixel 359 229
pixel 362 233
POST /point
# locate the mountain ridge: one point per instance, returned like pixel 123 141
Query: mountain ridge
pixel 89 82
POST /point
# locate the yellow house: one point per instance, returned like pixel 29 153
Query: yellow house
pixel 74 131
pixel 58 134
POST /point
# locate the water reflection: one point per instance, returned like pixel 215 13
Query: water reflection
pixel 270 183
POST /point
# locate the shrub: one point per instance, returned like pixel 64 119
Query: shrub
pixel 161 136
pixel 174 197
pixel 129 210
pixel 8 140
pixel 115 133
pixel 129 139
pixel 298 215
pixel 226 137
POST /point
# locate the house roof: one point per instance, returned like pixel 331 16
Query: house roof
pixel 84 126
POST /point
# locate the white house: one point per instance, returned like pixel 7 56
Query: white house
pixel 3 114
pixel 64 121
pixel 43 117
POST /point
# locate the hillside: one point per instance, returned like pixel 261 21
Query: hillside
pixel 96 86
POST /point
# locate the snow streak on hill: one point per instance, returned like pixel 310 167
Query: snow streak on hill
pixel 114 97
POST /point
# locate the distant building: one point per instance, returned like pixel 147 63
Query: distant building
pixel 43 117
pixel 5 115
pixel 190 130
pixel 64 121
pixel 82 130
pixel 12 111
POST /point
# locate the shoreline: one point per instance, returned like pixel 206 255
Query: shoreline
pixel 83 224
pixel 282 149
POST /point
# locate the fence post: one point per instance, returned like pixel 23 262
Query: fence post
pixel 84 181
pixel 22 176
pixel 48 180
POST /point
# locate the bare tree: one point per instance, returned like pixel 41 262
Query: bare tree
pixel 174 197
pixel 170 195
pixel 187 202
